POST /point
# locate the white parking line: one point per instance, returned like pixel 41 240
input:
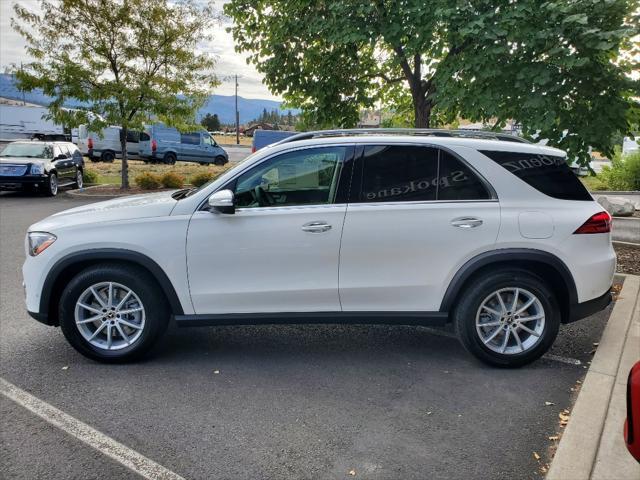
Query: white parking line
pixel 106 445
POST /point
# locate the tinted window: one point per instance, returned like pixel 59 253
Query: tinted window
pixel 190 138
pixel 133 137
pixel 303 177
pixel 457 181
pixel 144 137
pixel 548 174
pixel 398 174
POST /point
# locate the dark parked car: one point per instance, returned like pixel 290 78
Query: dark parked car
pixel 40 166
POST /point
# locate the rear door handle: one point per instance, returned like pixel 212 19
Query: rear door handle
pixel 316 227
pixel 466 222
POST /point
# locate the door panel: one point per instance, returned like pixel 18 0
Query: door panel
pixel 264 260
pixel 279 252
pixel 415 215
pixel 399 257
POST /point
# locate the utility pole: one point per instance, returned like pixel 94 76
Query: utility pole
pixel 237 115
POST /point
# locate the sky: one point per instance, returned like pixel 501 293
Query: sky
pixel 229 63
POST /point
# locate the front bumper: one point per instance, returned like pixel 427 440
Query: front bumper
pixel 585 309
pixel 17 183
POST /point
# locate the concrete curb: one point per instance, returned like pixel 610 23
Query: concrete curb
pixel 592 446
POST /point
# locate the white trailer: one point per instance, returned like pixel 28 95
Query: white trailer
pixel 19 122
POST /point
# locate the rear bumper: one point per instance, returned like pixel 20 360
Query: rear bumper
pixel 585 309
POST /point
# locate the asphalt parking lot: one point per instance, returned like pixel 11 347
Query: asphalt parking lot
pixel 322 402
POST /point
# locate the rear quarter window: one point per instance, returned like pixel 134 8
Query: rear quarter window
pixel 548 174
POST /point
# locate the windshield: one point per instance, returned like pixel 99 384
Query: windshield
pixel 28 150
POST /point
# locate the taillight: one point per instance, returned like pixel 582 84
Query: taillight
pixel 154 145
pixel 598 223
pixel 90 143
pixel 253 149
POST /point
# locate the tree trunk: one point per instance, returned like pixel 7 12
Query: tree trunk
pixel 421 109
pixel 125 163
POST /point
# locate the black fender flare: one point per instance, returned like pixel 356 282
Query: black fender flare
pixel 507 255
pixel 106 254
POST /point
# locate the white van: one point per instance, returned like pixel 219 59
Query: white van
pixel 105 147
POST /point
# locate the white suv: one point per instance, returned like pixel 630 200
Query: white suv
pixel 419 227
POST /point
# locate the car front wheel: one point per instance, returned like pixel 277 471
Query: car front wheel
pixel 507 318
pixel 79 179
pixel 51 185
pixel 113 313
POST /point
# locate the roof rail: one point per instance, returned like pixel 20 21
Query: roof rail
pixel 428 132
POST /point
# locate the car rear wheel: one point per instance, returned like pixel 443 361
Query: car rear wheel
pixel 113 313
pixel 51 185
pixel 507 318
pixel 108 157
pixel 170 158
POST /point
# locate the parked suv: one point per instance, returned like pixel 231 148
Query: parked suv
pixel 159 143
pixel 422 227
pixel 40 166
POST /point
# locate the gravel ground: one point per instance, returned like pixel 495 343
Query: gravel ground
pixel 628 259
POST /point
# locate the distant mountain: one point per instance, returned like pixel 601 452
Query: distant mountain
pixel 224 106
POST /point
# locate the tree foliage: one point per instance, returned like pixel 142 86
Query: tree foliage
pixel 553 66
pixel 211 122
pixel 127 60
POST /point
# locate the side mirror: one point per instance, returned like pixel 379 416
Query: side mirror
pixel 62 156
pixel 223 201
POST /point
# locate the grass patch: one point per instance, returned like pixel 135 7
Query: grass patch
pixel 231 140
pixel 112 172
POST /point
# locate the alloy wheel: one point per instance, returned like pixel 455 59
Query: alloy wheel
pixel 110 316
pixel 510 321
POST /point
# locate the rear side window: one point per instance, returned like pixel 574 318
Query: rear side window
pixel 144 137
pixel 401 173
pixel 458 181
pixel 546 173
pixel 398 174
pixel 190 138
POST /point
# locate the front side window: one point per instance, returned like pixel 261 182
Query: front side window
pixel 302 177
pixel 190 138
pixel 546 173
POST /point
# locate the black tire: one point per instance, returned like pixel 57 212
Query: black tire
pixel 156 310
pixel 219 160
pixel 471 299
pixel 51 185
pixel 170 158
pixel 108 156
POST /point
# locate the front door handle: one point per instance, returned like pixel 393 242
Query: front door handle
pixel 466 222
pixel 316 227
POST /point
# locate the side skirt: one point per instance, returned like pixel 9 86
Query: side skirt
pixel 357 318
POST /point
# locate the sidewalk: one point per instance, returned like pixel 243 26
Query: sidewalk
pixel 592 446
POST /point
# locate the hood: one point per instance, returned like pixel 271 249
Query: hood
pixel 21 160
pixel 119 209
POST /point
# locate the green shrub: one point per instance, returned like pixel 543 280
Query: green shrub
pixel 89 176
pixel 624 173
pixel 148 181
pixel 201 178
pixel 172 180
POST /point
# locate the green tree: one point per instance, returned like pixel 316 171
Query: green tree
pixel 127 60
pixel 553 66
pixel 211 122
pixel 289 118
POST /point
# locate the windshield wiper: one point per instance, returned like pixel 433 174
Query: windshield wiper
pixel 185 192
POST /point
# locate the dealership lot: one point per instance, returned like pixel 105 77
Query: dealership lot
pixel 277 401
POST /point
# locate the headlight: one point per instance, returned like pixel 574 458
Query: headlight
pixel 39 242
pixel 37 169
